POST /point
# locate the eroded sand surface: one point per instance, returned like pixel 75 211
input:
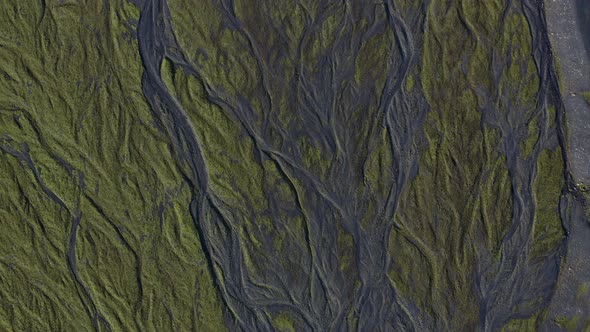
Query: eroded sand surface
pixel 569 31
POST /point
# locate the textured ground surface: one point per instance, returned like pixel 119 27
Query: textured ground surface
pixel 569 32
pixel 290 165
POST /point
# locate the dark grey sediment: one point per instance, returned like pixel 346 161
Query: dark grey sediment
pixel 569 33
pixel 568 24
pixel 330 299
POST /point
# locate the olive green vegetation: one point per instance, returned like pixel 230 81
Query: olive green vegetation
pixel 472 201
pixel 568 324
pixel 283 323
pixel 242 183
pixel 461 198
pixel 586 95
pixel 584 192
pixel 528 324
pixel 78 141
pixel 548 232
pixel 583 292
pixel 248 186
pixel 573 323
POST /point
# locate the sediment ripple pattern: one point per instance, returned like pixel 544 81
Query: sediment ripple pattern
pixel 295 165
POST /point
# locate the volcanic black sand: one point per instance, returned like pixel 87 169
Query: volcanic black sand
pixel 293 165
pixel 569 30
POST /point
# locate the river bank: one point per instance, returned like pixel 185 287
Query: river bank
pixel 569 33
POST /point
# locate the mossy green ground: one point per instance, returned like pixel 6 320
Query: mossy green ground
pixel 71 96
pixel 462 198
pixel 78 140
